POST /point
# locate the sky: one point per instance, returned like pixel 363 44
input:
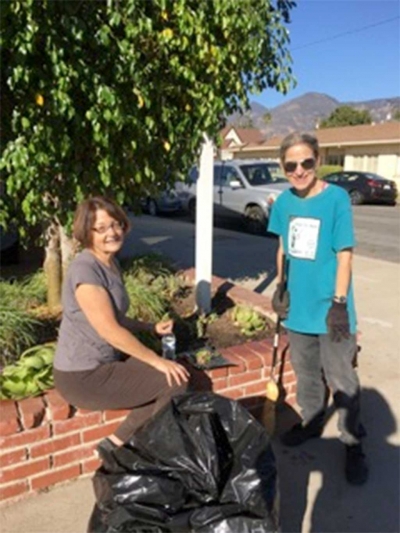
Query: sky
pixel 347 49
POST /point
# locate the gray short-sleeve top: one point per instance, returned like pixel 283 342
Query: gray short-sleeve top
pixel 79 346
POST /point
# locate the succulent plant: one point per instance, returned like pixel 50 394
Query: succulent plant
pixel 249 320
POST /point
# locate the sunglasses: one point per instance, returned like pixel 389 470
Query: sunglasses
pixel 306 164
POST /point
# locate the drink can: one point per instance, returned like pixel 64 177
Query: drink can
pixel 168 343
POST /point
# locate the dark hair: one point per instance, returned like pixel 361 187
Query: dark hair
pixel 298 138
pixel 85 216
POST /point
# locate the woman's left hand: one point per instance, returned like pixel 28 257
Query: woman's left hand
pixel 164 327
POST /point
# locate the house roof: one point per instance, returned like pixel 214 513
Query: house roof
pixel 246 135
pixel 386 132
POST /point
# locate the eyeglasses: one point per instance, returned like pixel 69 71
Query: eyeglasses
pixel 306 164
pixel 115 225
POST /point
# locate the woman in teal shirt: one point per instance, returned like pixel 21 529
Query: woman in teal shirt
pixel 315 227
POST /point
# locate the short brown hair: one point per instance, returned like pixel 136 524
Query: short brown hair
pixel 298 138
pixel 85 216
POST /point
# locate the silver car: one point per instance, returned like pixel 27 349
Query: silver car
pixel 243 188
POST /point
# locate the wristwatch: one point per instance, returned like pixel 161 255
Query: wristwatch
pixel 340 299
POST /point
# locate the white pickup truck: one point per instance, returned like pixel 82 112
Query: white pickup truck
pixel 242 188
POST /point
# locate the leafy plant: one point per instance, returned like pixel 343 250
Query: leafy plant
pixel 248 319
pixel 203 320
pixel 151 284
pixel 31 375
pixel 17 332
pixel 203 356
pixel 26 294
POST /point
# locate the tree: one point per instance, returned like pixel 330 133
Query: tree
pixel 112 97
pixel 396 114
pixel 244 121
pixel 346 116
pixel 267 117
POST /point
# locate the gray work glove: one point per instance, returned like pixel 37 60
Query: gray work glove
pixel 338 322
pixel 281 301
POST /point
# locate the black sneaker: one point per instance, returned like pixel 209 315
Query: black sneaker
pixel 356 465
pixel 299 434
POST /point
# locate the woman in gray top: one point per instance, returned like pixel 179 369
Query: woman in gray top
pixel 99 363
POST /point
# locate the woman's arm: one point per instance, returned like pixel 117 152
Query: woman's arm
pixel 279 260
pixel 343 274
pixel 95 304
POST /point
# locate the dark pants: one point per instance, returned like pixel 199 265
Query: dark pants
pixel 316 358
pixel 128 384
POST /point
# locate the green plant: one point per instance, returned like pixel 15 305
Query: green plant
pixel 17 332
pixel 27 293
pixel 202 323
pixel 249 320
pixel 324 170
pixel 31 375
pixel 151 283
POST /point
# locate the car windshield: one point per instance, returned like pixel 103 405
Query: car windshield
pixel 259 174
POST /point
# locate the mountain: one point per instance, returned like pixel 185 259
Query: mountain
pixel 304 113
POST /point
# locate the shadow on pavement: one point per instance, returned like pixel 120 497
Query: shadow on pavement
pixel 315 496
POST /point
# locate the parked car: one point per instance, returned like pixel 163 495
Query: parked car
pixel 365 187
pixel 165 202
pixel 242 188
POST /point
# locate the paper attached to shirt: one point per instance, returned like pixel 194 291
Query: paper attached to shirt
pixel 303 237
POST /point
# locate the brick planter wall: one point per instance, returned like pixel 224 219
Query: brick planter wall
pixel 45 441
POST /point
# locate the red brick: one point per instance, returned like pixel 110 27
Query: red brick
pixel 11 458
pixel 54 445
pixel 32 411
pixel 77 423
pixel 55 476
pixel 9 423
pixel 25 437
pixel 83 412
pixel 13 489
pixel 117 413
pixel 255 388
pixel 90 465
pixel 23 471
pixel 72 456
pixel 100 432
pixel 216 373
pixel 246 377
pixel 57 407
pixel 251 359
pixel 238 363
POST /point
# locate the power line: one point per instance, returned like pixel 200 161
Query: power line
pixel 350 32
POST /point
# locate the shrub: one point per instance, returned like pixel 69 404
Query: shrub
pixel 324 170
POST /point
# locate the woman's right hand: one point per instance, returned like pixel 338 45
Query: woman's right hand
pixel 173 371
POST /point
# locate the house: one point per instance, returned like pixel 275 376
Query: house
pixel 371 147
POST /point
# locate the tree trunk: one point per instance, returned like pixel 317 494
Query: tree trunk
pixel 68 250
pixel 52 266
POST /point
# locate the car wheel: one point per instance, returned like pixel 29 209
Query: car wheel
pixel 356 197
pixel 192 210
pixel 255 220
pixel 152 207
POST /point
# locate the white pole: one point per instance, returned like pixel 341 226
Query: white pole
pixel 204 227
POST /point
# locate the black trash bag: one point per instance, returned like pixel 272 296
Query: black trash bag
pixel 203 464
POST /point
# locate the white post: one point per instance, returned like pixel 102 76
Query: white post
pixel 204 227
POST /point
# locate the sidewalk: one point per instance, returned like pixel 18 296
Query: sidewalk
pixel 314 494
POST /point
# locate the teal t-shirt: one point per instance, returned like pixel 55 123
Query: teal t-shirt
pixel 313 230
